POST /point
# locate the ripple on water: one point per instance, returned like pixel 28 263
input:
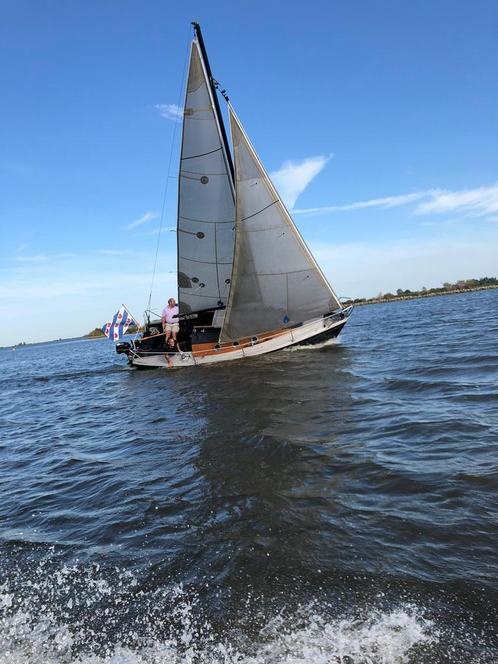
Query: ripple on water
pixel 334 504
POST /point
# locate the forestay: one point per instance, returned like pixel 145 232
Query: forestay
pixel 206 209
pixel 276 282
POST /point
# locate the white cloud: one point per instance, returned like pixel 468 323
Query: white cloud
pixel 293 177
pixel 157 231
pixel 386 202
pixel 115 252
pixel 470 202
pixel 35 258
pixel 473 202
pixel 141 220
pixel 169 111
pixel 41 258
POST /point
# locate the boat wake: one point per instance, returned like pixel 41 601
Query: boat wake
pixel 324 344
pixel 83 618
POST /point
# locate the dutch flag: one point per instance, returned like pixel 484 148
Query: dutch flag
pixel 121 321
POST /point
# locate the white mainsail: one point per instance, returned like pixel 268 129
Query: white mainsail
pixel 206 209
pixel 276 282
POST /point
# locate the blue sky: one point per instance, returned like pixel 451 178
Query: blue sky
pixel 379 120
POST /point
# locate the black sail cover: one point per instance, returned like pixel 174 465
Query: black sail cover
pixel 276 282
pixel 206 209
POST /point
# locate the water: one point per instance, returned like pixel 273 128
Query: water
pixel 331 505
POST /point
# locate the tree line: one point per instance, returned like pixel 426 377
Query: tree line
pixel 460 285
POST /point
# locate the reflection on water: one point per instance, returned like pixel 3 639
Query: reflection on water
pixel 268 456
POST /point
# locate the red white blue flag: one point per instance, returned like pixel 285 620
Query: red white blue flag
pixel 121 321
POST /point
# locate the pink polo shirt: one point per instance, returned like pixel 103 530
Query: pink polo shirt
pixel 169 312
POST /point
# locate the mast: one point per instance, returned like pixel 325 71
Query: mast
pixel 200 40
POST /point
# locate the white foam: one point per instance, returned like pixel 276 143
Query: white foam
pixel 380 637
pixel 30 633
pixel 324 344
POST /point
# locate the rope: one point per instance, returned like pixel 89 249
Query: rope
pixel 166 185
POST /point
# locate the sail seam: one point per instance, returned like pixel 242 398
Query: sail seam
pixel 193 260
pixel 260 211
pixel 198 109
pixel 195 156
pixel 281 274
pixel 210 297
pixel 265 230
pixel 207 221
pixel 197 173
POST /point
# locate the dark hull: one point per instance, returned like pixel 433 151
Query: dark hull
pixel 322 337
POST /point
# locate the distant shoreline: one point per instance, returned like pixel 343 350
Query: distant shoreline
pixel 418 295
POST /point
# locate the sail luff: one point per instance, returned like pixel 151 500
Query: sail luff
pixel 276 282
pixel 206 207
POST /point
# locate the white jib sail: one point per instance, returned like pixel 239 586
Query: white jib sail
pixel 276 282
pixel 206 209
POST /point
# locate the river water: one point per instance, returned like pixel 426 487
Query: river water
pixel 330 505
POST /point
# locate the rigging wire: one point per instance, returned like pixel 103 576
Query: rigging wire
pixel 169 177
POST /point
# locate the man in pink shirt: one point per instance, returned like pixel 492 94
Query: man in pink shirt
pixel 171 326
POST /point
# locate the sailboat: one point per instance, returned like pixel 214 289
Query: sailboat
pixel 247 282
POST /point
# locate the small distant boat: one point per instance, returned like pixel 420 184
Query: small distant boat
pixel 247 282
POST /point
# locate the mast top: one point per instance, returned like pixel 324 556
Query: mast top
pixel 215 86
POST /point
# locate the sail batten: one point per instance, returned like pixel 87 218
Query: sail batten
pixel 206 207
pixel 276 282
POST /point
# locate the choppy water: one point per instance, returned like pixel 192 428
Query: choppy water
pixel 331 505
